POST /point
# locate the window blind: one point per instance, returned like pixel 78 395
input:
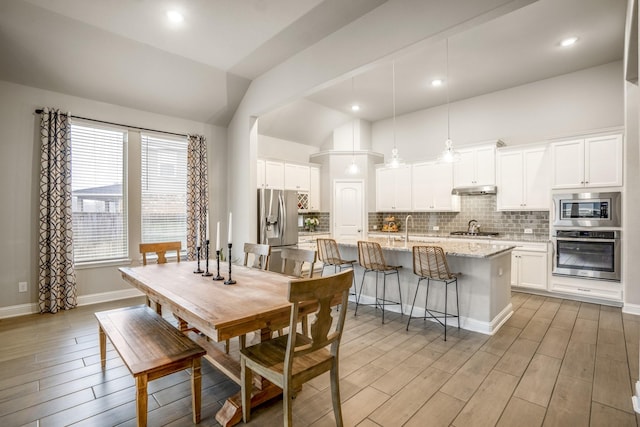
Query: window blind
pixel 97 182
pixel 164 189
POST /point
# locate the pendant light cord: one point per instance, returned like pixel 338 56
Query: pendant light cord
pixel 394 101
pixel 447 74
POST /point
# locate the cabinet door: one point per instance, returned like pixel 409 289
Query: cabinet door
pixel 314 189
pixel 260 174
pixel 403 188
pixel 441 185
pixel 603 161
pixel 537 194
pixel 510 180
pixel 422 185
pixel 515 259
pixel 274 174
pixel 532 268
pixel 567 159
pixel 385 189
pixel 296 177
pixel 485 166
pixel 463 170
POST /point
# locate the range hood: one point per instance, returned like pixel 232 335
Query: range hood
pixel 474 191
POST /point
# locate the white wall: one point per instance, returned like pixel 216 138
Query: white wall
pixel 281 149
pixel 561 106
pixel 19 172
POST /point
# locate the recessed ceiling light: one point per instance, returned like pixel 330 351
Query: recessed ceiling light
pixel 355 107
pixel 437 82
pixel 568 41
pixel 175 16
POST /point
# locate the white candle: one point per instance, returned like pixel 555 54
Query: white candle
pixel 197 233
pixel 207 230
pixel 218 236
pixel 230 228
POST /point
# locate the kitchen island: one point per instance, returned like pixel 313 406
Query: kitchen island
pixel 484 286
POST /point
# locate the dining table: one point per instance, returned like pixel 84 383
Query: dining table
pixel 210 311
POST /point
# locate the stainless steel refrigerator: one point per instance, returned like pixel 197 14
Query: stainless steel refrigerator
pixel 277 217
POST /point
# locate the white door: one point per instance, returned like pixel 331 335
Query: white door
pixel 348 210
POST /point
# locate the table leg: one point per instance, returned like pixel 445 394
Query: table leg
pixel 196 389
pixel 103 347
pixel 141 399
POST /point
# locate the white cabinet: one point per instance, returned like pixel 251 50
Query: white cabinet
pixel 273 174
pixel 590 162
pixel 529 268
pixel 431 185
pixel 598 289
pixel 475 167
pixel 393 189
pixel 314 188
pixel 260 178
pixel 296 177
pixel 523 179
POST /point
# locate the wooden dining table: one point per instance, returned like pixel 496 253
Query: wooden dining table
pixel 208 310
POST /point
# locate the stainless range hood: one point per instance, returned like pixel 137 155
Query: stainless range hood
pixel 474 191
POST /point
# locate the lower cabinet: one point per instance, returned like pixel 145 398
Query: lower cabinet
pixel 599 289
pixel 529 268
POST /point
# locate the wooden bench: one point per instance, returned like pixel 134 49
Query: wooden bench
pixel 151 348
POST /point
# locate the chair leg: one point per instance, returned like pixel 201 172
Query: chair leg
pixel 457 304
pixel 384 290
pixel 335 392
pixel 246 380
pixel 399 293
pixel 287 401
pixel 360 293
pixel 446 288
pixel 414 303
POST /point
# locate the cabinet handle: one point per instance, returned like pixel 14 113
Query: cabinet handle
pixel 584 290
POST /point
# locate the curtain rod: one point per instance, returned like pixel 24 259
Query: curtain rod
pixel 40 111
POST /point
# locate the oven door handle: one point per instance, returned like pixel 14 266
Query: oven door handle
pixel 582 239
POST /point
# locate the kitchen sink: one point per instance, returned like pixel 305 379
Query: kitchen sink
pixel 478 234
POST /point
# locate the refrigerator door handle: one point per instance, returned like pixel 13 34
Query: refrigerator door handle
pixel 283 211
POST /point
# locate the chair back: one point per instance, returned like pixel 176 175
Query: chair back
pixel 160 249
pixel 322 291
pixel 261 254
pixel 328 252
pixel 293 260
pixel 370 256
pixel 430 261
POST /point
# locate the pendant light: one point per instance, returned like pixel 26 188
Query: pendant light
pixel 449 155
pixel 353 168
pixel 395 160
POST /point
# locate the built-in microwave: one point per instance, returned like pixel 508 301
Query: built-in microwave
pixel 587 210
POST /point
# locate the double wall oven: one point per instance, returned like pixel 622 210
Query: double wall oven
pixel 586 235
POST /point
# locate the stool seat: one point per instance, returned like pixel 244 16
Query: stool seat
pixel 430 264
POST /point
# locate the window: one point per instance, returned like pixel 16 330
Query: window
pixel 99 203
pixel 164 189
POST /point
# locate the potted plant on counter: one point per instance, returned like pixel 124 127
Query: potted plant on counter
pixel 311 223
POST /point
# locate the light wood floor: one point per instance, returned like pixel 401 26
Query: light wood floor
pixel 555 363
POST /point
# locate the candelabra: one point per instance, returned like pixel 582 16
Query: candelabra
pixel 230 281
pixel 206 252
pixel 218 276
pixel 198 270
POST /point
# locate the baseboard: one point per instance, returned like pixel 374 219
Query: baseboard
pixel 628 308
pixel 487 328
pixel 31 308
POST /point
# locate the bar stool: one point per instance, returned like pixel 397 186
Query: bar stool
pixel 329 255
pixel 430 263
pixel 371 259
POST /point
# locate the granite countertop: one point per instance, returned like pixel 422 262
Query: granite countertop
pixel 451 247
pixel 521 237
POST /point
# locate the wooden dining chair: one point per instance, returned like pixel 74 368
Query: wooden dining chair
pixel 293 261
pixel 160 249
pixel 289 361
pixel 260 254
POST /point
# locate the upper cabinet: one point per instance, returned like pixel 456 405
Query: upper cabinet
pixel 589 162
pixel 296 177
pixel 273 174
pixel 314 188
pixel 476 167
pixel 431 185
pixel 523 179
pixel 260 174
pixel 393 189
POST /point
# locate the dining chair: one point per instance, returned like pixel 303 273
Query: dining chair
pixel 293 261
pixel 329 255
pixel 430 263
pixel 371 258
pixel 290 360
pixel 260 253
pixel 160 249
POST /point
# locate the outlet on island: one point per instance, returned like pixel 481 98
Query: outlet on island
pixel 436 227
pixel 528 231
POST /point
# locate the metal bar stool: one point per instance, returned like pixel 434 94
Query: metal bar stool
pixel 430 263
pixel 329 255
pixel 371 259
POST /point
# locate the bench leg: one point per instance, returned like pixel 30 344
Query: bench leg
pixel 196 389
pixel 103 347
pixel 141 400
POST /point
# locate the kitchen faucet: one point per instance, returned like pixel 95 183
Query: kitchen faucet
pixel 473 227
pixel 406 229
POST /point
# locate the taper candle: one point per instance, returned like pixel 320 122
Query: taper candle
pixel 207 230
pixel 230 228
pixel 218 236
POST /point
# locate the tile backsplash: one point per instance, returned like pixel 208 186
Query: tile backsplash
pixel 480 208
pixel 323 218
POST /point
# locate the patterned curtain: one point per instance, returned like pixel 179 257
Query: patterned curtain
pixel 197 195
pixel 57 275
